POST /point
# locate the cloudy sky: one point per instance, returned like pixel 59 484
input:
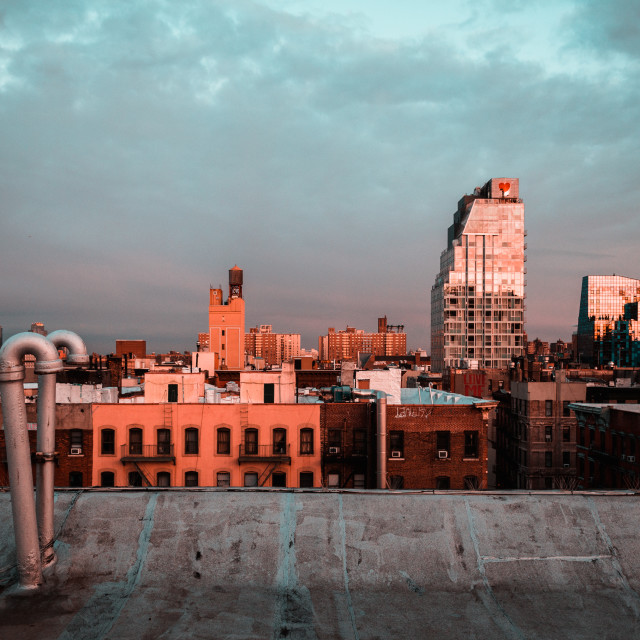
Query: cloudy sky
pixel 146 147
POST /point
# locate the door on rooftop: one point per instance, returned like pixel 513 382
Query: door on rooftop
pixel 172 393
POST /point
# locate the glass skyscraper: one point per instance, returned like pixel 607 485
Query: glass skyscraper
pixel 477 301
pixel 608 327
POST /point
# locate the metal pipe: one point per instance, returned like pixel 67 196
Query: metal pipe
pixel 17 443
pixel 45 471
pixel 382 442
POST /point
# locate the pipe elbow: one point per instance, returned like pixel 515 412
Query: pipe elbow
pixel 77 350
pixel 21 344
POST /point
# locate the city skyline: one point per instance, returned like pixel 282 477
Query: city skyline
pixel 149 148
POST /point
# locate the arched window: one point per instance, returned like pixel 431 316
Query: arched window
pixel 107 479
pixel 191 479
pixel 279 441
pixel 278 479
pixel 135 443
pixel 163 479
pixel 306 478
pixel 191 441
pixel 107 442
pixel 135 479
pixel 223 479
pixel 224 441
pixel 251 479
pixel 251 441
pixel 163 439
pixel 442 482
pixel 306 442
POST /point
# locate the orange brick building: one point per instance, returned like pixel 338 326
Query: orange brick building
pixel 345 345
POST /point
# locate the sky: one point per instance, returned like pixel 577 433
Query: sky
pixel 147 147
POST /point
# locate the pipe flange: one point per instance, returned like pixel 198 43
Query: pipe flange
pixel 12 373
pixel 48 366
pixel 77 359
pixel 39 456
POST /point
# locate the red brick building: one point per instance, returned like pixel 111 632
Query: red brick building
pixel 74 445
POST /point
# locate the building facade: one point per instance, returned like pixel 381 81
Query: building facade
pixel 272 348
pixel 390 340
pixel 477 301
pixel 608 327
pixel 226 324
pixel 536 435
pixel 608 445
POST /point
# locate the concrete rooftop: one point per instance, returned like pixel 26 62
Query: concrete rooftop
pixel 207 563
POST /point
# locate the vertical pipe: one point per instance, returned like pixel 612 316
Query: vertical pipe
pixel 23 508
pixel 381 407
pixel 45 469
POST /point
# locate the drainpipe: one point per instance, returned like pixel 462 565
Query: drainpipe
pixel 381 420
pixel 46 444
pixel 17 443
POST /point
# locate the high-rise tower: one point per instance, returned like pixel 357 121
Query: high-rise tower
pixel 226 324
pixel 477 301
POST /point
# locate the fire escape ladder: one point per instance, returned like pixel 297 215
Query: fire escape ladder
pixel 266 474
pixel 244 415
pixel 168 415
pixel 143 474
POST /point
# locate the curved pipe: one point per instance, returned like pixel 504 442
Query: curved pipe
pixel 17 444
pixel 46 444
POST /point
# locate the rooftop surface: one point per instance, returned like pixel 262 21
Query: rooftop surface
pixel 207 563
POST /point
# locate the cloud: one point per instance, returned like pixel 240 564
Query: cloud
pixel 148 147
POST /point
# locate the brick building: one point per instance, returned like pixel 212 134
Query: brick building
pixel 273 348
pixel 73 445
pixel 608 449
pixel 390 340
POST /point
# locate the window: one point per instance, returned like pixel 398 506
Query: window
pixel 396 444
pixel 548 483
pixel 278 479
pixel 191 479
pixel 279 442
pixel 163 479
pixel 251 479
pixel 135 479
pixel 306 442
pixel 548 408
pixel 443 440
pixel 470 444
pixel 172 393
pixel 442 482
pixel 396 482
pixel 548 459
pixel 251 441
pixel 107 442
pixel 75 479
pixel 358 480
pixel 471 483
pixel 75 443
pixel 135 443
pixel 548 433
pixel 224 441
pixel 333 479
pixel 566 412
pixel 566 459
pixel 335 440
pixel 191 441
pixel 223 479
pixel 581 435
pixel 107 479
pixel 163 439
pixel 269 393
pixel 566 434
pixel 360 442
pixel 306 479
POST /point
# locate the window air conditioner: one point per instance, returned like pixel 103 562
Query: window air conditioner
pixel 334 449
pixel 76 451
pixel 396 454
pixel 631 458
pixel 442 454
